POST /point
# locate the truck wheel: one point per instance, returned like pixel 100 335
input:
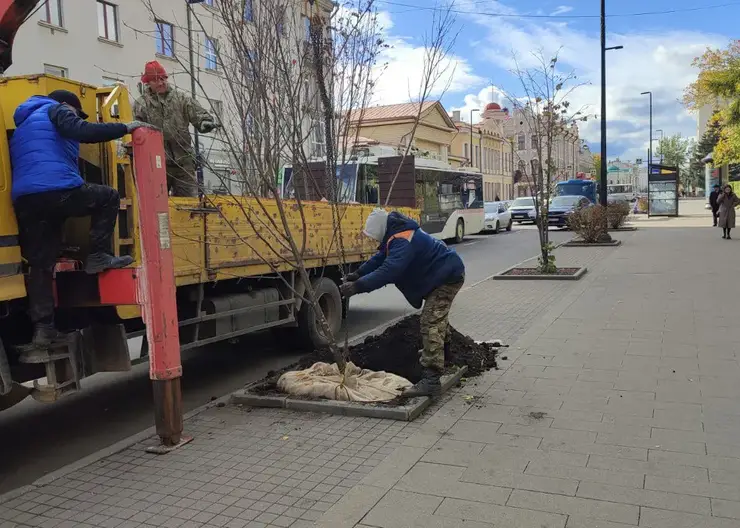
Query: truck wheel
pixel 330 302
pixel 459 231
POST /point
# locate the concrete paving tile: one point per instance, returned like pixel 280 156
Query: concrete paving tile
pixel 643 497
pixel 446 481
pixel 726 508
pixel 453 452
pixel 513 479
pixel 512 458
pixel 653 518
pixel 392 468
pixel 662 444
pixel 401 508
pixel 702 489
pixel 615 451
pixel 499 515
pixel 587 474
pixel 686 459
pixel 598 509
pixel 658 469
pixel 586 522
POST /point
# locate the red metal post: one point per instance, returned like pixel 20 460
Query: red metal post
pixel 156 284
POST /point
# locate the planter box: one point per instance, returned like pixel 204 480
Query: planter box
pixel 407 412
pixel 623 228
pixel 511 274
pixel 580 243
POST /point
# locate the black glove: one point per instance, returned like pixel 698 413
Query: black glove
pixel 207 126
pixel 348 289
pixel 352 277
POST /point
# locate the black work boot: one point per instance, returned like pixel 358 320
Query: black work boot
pixel 99 262
pixel 429 385
pixel 44 336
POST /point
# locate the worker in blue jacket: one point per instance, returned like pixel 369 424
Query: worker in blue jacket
pixel 48 189
pixel 424 270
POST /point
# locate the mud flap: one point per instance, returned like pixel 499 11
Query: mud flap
pixel 105 349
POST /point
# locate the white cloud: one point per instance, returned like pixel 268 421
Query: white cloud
pixel 655 61
pixel 491 94
pixel 561 10
pixel 403 66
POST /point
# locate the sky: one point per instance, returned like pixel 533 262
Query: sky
pixel 657 55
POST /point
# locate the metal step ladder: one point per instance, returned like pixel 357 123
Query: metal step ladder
pixel 63 369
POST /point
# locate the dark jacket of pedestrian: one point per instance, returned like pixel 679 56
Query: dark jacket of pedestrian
pixel 713 200
pixel 413 260
pixel 727 203
pixel 45 147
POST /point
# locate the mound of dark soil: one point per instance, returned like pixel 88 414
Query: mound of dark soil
pixel 397 350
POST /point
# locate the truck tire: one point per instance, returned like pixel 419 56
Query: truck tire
pixel 330 301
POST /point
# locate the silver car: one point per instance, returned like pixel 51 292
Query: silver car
pixel 523 210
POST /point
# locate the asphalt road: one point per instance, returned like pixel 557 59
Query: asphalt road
pixel 36 439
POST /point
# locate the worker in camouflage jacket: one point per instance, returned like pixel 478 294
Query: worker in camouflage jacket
pixel 424 270
pixel 172 111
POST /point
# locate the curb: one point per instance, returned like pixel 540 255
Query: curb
pixel 577 243
pixel 576 276
pixel 405 413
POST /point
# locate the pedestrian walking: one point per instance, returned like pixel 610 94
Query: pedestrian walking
pixel 713 203
pixel 172 111
pixel 727 201
pixel 424 270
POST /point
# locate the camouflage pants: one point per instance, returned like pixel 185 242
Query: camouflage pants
pixel 181 174
pixel 434 324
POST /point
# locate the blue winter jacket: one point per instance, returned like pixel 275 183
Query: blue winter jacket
pixel 45 146
pixel 416 266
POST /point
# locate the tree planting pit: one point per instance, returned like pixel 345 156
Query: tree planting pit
pixel 395 350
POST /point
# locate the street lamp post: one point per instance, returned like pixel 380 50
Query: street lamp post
pixel 472 156
pixel 650 150
pixel 604 49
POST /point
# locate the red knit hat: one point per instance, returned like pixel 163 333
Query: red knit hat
pixel 153 71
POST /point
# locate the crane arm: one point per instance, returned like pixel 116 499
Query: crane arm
pixel 13 13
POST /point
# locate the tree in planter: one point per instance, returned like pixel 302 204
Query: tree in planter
pixel 271 118
pixel 545 111
pixel 288 86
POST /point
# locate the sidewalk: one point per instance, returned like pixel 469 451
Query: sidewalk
pixel 617 406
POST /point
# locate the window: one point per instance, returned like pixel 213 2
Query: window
pixel 250 65
pixel 50 69
pixel 211 54
pixel 108 21
pixel 165 36
pixel 318 137
pixel 217 108
pixel 210 3
pixel 307 28
pixel 534 141
pixel 51 13
pixel 520 140
pixel 465 149
pixel 535 167
pixel 248 11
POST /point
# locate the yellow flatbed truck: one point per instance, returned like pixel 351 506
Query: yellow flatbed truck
pixel 232 272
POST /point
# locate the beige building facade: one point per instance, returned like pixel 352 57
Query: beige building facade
pixel 487 150
pixel 393 125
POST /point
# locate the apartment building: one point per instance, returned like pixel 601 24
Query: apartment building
pixel 101 42
pixel 487 150
pixel 565 153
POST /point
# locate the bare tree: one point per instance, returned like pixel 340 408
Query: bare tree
pixel 287 80
pixel 546 112
pixel 438 43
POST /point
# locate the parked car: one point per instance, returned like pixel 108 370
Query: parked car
pixel 523 210
pixel 497 216
pixel 563 206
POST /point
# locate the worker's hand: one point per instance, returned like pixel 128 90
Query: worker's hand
pixel 207 126
pixel 352 277
pixel 348 289
pixel 133 125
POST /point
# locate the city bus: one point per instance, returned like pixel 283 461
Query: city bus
pixel 450 201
